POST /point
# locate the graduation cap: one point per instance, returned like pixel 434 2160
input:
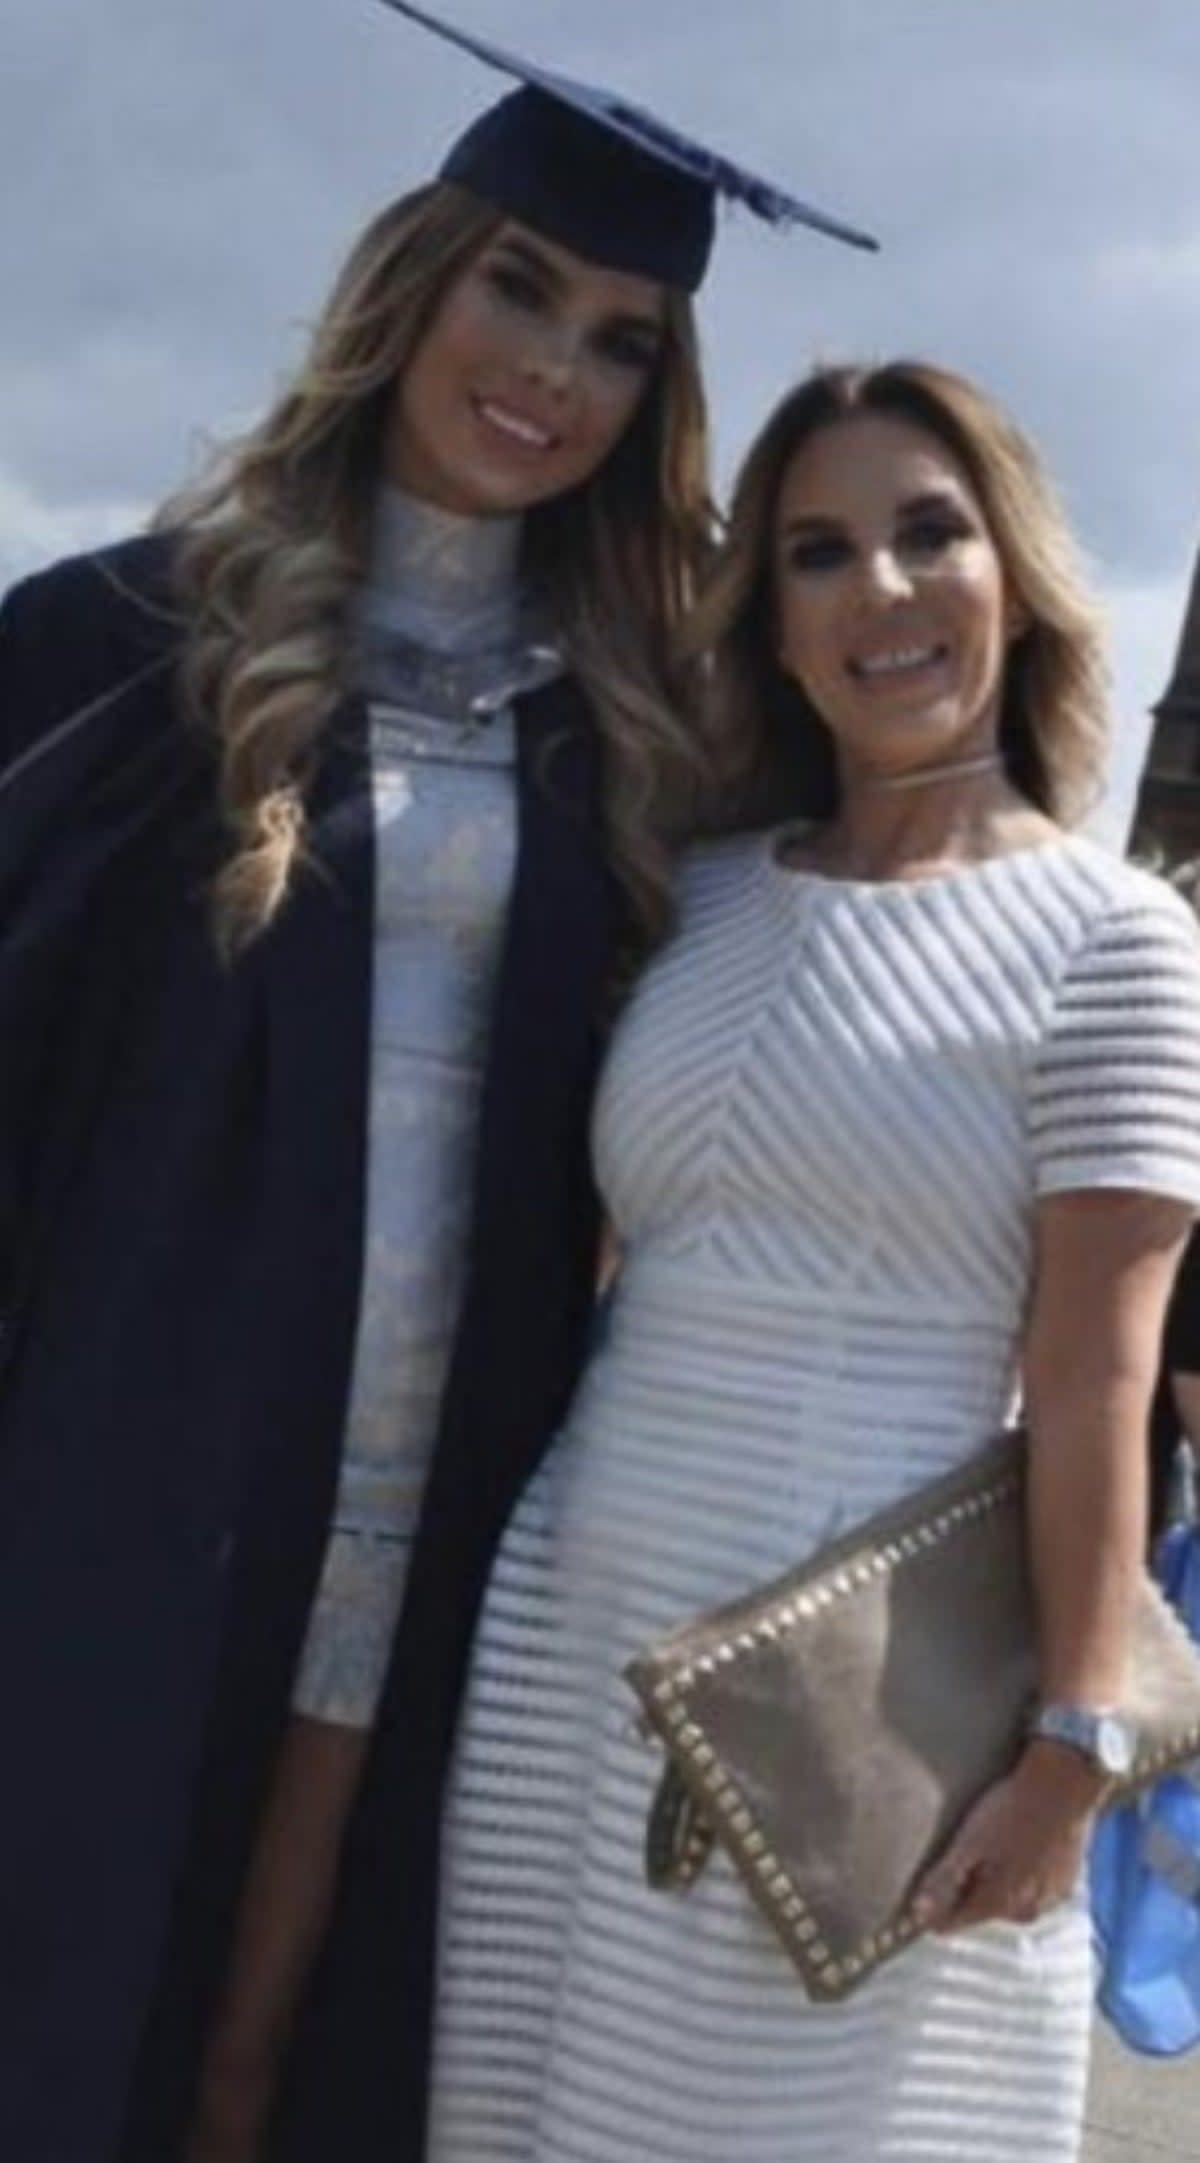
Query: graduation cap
pixel 600 176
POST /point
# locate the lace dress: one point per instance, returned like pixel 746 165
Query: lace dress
pixel 444 649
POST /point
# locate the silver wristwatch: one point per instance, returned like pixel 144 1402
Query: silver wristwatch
pixel 1105 1738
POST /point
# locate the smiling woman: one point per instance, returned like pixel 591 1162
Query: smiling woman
pixel 399 660
pixel 941 531
pixel 527 379
pixel 416 340
pixel 893 605
pixel 898 1128
pixel 332 811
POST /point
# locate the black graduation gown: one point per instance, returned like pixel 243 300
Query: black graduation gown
pixel 181 1204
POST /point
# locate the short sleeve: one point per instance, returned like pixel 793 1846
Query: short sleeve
pixel 1115 1097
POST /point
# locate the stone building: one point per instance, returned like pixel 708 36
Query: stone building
pixel 1168 805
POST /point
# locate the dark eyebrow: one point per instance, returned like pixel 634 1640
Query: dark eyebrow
pixel 930 502
pixel 514 249
pixel 809 521
pixel 630 324
pixel 529 258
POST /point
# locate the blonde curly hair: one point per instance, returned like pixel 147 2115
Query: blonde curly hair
pixel 772 752
pixel 273 541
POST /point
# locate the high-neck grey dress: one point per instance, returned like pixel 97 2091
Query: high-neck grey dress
pixel 445 645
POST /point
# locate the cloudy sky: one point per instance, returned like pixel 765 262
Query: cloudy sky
pixel 181 180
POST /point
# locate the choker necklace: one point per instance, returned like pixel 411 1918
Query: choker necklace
pixel 987 762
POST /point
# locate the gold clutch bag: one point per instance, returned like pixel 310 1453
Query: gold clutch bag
pixel 832 1728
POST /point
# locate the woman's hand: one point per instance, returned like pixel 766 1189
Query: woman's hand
pixel 1020 1849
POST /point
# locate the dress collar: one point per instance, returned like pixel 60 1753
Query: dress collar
pixel 449 583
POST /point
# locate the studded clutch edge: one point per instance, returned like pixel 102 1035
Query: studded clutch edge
pixel 713 1790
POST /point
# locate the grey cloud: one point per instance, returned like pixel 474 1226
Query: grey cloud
pixel 182 180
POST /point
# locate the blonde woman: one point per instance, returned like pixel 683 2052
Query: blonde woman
pixel 328 811
pixel 902 1118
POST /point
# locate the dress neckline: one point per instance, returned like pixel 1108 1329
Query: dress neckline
pixel 445 582
pixel 785 874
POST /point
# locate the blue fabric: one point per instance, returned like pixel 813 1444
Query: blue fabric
pixel 1145 1875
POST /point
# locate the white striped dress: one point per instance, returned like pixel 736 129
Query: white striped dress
pixel 822 1127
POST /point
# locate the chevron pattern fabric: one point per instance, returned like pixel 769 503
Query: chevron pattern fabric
pixel 824 1122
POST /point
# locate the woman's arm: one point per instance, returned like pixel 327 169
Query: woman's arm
pixel 1104 1263
pixel 1103 1274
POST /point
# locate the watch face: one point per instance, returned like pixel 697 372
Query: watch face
pixel 1114 1746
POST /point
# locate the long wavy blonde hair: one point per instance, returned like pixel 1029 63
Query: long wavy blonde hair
pixel 771 750
pixel 273 541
